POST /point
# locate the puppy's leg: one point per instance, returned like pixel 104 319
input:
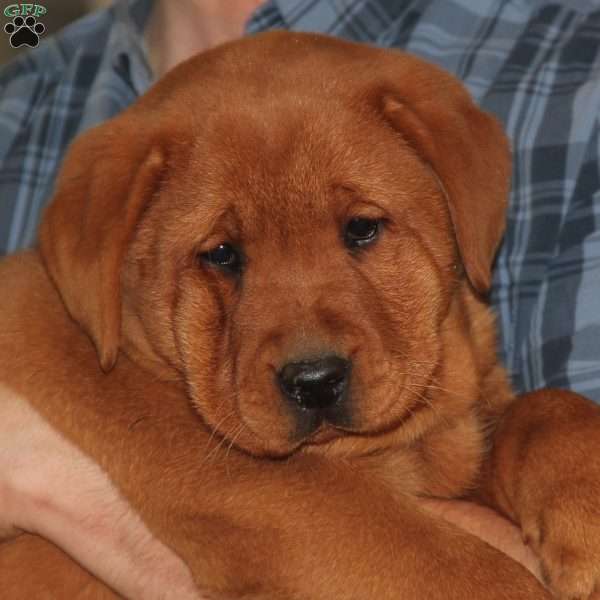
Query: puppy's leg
pixel 31 567
pixel 314 529
pixel 544 473
pixel 334 535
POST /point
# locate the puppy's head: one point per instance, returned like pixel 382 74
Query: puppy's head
pixel 283 223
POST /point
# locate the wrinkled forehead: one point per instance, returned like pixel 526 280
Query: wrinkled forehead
pixel 289 158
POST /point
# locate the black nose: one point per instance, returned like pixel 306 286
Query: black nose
pixel 315 384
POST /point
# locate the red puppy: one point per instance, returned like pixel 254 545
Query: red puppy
pixel 279 255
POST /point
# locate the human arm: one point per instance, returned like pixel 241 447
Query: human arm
pixel 49 487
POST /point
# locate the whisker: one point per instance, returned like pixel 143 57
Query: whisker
pixel 217 427
pixel 215 450
pixel 427 401
pixel 240 429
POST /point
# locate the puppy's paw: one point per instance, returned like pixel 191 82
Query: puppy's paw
pixel 565 535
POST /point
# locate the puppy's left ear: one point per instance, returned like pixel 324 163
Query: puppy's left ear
pixel 469 153
pixel 106 181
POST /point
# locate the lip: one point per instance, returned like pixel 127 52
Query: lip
pixel 327 433
pixel 324 435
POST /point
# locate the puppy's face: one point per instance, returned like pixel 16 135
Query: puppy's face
pixel 304 263
pixel 294 259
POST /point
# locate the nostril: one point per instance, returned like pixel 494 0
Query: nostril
pixel 315 384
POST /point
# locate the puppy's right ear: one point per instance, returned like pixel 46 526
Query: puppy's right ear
pixel 106 181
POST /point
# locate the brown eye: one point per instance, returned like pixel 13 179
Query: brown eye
pixel 360 232
pixel 224 256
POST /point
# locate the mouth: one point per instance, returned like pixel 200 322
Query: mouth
pixel 324 434
pixel 327 432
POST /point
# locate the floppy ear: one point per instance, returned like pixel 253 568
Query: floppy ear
pixel 470 155
pixel 106 180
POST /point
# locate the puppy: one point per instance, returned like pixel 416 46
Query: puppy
pixel 280 256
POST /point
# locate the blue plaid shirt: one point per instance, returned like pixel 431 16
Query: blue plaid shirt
pixel 534 63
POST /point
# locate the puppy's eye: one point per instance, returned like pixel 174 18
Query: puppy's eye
pixel 224 256
pixel 360 232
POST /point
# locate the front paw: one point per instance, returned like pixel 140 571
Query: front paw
pixel 565 535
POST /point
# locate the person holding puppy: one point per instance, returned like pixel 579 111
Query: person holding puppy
pixel 114 56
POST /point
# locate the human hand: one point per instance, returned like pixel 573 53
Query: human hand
pixel 487 525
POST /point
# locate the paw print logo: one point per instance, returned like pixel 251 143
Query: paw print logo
pixel 24 32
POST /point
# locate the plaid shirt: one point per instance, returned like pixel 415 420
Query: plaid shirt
pixel 534 63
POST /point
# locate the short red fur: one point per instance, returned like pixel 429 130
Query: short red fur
pixel 273 144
